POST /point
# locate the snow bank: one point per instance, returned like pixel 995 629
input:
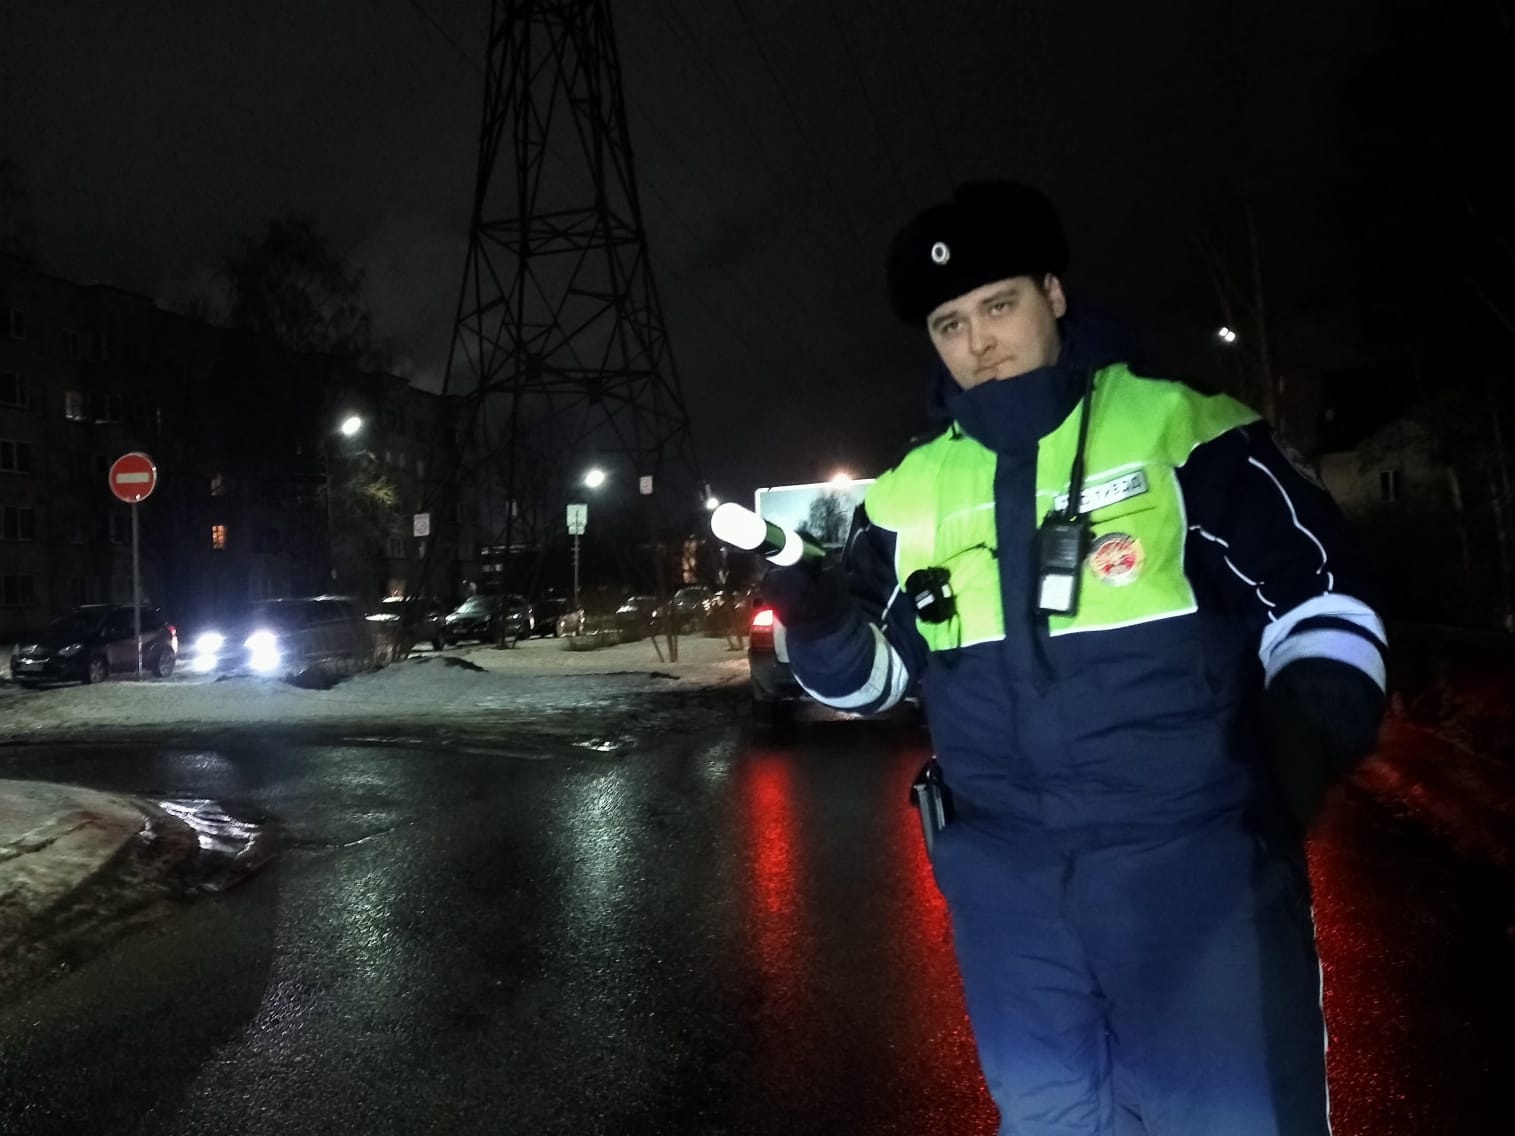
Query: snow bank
pixel 536 675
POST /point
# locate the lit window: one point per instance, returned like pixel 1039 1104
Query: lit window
pixel 218 537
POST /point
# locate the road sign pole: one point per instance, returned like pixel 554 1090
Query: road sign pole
pixel 133 477
pixel 575 571
pixel 578 519
pixel 136 593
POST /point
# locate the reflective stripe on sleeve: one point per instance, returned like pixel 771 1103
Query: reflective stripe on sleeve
pixel 1283 641
pixel 885 686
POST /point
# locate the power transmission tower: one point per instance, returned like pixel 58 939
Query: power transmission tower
pixel 559 343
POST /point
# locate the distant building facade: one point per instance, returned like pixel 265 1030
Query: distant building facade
pixel 258 495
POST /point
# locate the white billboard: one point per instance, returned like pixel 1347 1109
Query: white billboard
pixel 823 508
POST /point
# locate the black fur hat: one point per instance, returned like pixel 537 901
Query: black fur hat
pixel 990 230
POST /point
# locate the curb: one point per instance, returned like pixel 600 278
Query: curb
pixel 45 930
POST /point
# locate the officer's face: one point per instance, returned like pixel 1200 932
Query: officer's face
pixel 999 331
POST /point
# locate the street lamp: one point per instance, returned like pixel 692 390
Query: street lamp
pixel 578 520
pixel 350 427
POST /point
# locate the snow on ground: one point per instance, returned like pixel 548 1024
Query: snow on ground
pixel 536 674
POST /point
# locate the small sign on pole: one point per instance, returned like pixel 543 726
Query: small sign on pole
pixel 420 524
pixel 645 485
pixel 578 521
pixel 132 478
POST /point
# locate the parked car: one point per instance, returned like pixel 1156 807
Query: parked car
pixel 689 607
pixel 413 619
pixel 488 619
pixel 93 642
pixel 545 614
pixel 634 619
pixel 775 692
pixel 302 639
pixel 730 612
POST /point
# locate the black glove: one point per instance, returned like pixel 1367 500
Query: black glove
pixel 1323 718
pixel 810 598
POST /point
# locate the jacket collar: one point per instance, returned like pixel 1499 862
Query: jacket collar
pixel 1011 415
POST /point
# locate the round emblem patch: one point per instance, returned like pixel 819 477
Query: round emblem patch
pixel 940 253
pixel 1116 559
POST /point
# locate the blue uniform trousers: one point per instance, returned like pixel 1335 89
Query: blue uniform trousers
pixel 1163 985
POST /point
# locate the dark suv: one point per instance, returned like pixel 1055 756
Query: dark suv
pixel 93 642
pixel 414 619
pixel 318 639
pixel 490 618
pixel 689 607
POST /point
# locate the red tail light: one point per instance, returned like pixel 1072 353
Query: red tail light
pixel 760 635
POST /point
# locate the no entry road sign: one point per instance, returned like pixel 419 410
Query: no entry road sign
pixel 133 476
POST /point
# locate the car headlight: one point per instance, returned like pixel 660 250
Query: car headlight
pixel 209 642
pixel 263 653
pixel 71 650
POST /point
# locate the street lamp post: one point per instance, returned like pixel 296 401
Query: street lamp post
pixel 578 520
pixel 350 427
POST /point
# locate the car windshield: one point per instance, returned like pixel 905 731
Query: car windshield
pixel 477 605
pixel 76 623
pixel 276 616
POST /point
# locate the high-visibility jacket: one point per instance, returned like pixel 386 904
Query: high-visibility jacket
pixel 1216 560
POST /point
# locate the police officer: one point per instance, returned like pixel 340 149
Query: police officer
pixel 1114 592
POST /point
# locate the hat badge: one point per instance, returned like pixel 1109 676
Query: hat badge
pixel 940 253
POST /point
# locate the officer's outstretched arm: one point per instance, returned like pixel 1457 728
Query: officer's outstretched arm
pixel 852 641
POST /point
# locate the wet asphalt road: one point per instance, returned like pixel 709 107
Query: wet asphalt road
pixel 684 936
pixel 701 931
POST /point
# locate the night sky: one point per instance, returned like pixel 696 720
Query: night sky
pixel 779 143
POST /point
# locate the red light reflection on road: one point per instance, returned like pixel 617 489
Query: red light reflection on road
pixel 1416 991
pixel 777 892
pixel 936 1017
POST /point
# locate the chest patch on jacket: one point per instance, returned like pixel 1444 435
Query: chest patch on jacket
pixel 1116 559
pixel 1132 484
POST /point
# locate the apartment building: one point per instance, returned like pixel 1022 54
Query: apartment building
pixel 259 494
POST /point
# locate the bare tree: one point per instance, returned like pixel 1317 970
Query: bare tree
pixel 288 284
pixel 1436 221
